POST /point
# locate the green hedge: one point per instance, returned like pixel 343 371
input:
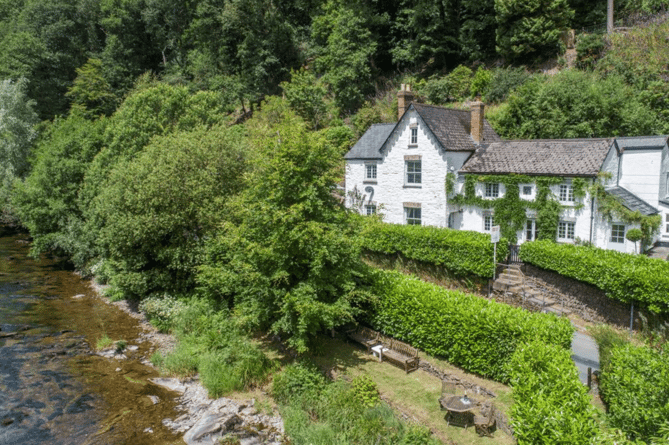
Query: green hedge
pixel 551 405
pixel 635 386
pixel 622 276
pixel 461 252
pixel 471 332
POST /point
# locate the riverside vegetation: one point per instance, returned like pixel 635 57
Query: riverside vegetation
pixel 188 155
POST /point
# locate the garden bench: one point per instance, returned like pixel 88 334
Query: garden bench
pixel 365 336
pixel 402 354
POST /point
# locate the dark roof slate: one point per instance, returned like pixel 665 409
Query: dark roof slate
pixel 453 127
pixel 368 146
pixel 549 157
pixel 642 142
pixel 631 201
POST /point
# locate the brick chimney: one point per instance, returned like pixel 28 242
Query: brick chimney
pixel 478 110
pixel 404 99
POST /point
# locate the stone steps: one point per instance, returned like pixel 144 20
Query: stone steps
pixel 512 280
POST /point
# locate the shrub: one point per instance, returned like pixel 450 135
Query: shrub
pixel 551 405
pixel 162 311
pixel 480 82
pixel 589 49
pixel 635 385
pixel 461 252
pixel 341 417
pixel 365 390
pixel 505 80
pixel 460 81
pixel 436 89
pixel 476 334
pixel 607 340
pixel 622 276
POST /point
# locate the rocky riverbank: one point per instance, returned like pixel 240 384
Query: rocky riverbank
pixel 204 421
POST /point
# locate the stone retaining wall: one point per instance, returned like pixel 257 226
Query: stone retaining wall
pixel 583 299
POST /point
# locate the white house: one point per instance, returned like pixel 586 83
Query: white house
pixel 401 170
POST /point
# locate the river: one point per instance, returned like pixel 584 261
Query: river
pixel 53 388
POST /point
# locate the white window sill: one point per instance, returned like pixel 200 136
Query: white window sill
pixel 412 146
pixel 413 186
pixel 369 181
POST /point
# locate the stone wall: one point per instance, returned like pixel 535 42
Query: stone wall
pixel 583 299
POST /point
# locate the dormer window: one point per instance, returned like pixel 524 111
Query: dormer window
pixel 414 136
pixel 492 190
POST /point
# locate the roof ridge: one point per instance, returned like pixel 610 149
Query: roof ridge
pixel 439 107
pixel 555 140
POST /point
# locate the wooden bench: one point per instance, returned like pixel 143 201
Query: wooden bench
pixel 402 354
pixel 365 336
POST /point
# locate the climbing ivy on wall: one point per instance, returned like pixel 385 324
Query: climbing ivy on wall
pixel 613 210
pixel 510 210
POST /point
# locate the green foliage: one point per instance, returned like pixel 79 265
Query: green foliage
pixel 288 260
pixel 458 326
pixel 317 412
pixel 297 381
pixel 90 91
pixel 211 343
pixel 160 206
pixel 504 81
pixel 574 104
pixel 460 82
pixel 17 133
pixel 346 45
pixel 481 82
pixel 463 253
pixel 47 201
pixel 589 48
pixel 635 386
pixel 551 405
pixel 365 390
pixel 510 210
pixel 612 209
pixel 381 110
pixel 436 89
pixel 162 310
pixel 622 276
pixel 306 95
pixel 530 28
pixel 607 340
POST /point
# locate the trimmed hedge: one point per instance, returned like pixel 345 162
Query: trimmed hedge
pixel 471 332
pixel 551 405
pixel 461 252
pixel 622 276
pixel 635 386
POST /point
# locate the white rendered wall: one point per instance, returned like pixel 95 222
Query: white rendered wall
pixel 640 173
pixel 390 191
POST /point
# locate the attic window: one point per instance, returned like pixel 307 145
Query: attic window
pixel 414 135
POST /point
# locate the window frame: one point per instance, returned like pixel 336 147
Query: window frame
pixel 488 222
pixel 531 229
pixel 527 187
pixel 414 177
pixel 369 168
pixel 369 207
pixel 413 135
pixel 491 190
pixel 666 222
pixel 564 228
pixel 568 194
pixel 615 233
pixel 413 216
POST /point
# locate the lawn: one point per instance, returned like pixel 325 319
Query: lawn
pixel 415 395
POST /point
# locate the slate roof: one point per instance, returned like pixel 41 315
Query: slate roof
pixel 631 201
pixel 453 127
pixel 545 157
pixel 368 146
pixel 642 142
